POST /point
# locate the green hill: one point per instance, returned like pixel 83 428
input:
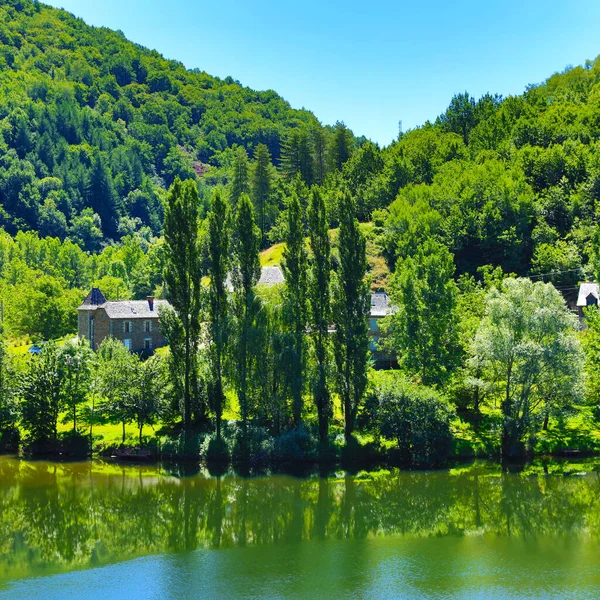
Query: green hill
pixel 92 124
pixel 94 128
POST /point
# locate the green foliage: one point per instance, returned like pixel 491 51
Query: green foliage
pixel 76 360
pixel 182 275
pixel 246 272
pixel 351 307
pixel 423 330
pixel 415 417
pixel 590 341
pixel 219 227
pixel 8 390
pixel 530 354
pixel 113 381
pixel 41 398
pixel 295 301
pixel 320 307
pixel 108 120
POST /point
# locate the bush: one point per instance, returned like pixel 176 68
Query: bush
pixel 216 450
pixel 9 440
pixel 294 446
pixel 255 445
pixel 181 448
pixel 413 416
pixel 75 445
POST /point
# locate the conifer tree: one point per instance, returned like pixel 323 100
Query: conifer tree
pixel 340 146
pixel 320 309
pixel 294 268
pixel 218 254
pixel 246 273
pixel 319 147
pixel 101 196
pixel 296 156
pixel 182 275
pixel 240 178
pixel 350 312
pixel 261 186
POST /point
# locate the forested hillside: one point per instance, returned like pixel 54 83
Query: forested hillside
pixel 94 127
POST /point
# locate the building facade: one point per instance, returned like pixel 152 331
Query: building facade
pixel 380 308
pixel 589 295
pixel 136 323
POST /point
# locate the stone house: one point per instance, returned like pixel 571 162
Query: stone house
pixel 134 322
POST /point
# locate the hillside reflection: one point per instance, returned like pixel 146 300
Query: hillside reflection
pixel 58 517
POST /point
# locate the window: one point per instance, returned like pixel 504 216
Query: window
pixel 127 326
pixel 147 326
pixel 148 344
pixel 127 344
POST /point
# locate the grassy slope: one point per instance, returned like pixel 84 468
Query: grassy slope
pixel 378 269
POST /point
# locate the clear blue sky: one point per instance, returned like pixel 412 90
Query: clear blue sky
pixel 368 64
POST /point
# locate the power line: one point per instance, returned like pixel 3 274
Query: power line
pixel 555 273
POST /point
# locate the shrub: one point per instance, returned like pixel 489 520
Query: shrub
pixel 216 450
pixel 414 416
pixel 255 445
pixel 9 440
pixel 294 446
pixel 75 445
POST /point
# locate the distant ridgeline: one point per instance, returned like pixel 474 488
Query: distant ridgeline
pixel 94 129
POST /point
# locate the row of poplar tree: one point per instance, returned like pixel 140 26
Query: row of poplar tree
pixel 270 351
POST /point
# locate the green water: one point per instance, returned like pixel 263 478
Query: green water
pixel 97 530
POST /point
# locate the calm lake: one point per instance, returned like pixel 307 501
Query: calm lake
pixel 100 530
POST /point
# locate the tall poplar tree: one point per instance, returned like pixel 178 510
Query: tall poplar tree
pixel 182 275
pixel 246 273
pixel 294 268
pixel 218 254
pixel 351 305
pixel 240 177
pixel 261 187
pixel 320 308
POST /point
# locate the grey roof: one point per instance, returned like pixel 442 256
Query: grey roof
pixel 268 276
pixel 585 289
pixel 123 309
pixel 94 298
pixel 271 276
pixel 134 309
pixel 381 305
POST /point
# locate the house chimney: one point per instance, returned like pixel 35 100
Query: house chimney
pixel 150 302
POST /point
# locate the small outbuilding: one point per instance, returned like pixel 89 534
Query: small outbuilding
pixel 588 296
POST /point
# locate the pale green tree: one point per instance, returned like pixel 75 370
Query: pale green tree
pixel 531 355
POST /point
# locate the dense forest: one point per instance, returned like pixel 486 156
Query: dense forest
pixel 491 211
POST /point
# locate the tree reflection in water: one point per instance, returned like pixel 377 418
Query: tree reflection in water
pixel 59 517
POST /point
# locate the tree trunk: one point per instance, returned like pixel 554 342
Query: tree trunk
pixel 476 414
pixel 506 433
pixel 545 425
pixel 186 383
pixel 123 423
pixel 349 421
